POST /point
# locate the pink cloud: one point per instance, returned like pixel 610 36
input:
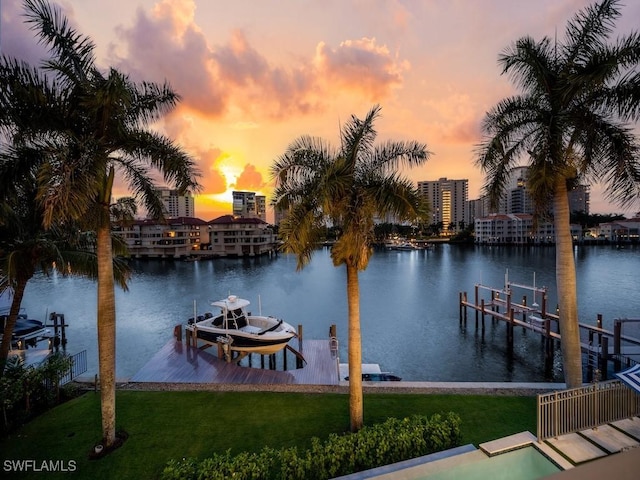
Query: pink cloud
pixel 16 39
pixel 166 43
pixel 360 66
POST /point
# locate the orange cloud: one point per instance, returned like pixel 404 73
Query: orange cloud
pixel 250 179
pixel 214 180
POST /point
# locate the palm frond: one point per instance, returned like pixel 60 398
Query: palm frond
pixel 159 152
pixel 392 155
pixel 73 53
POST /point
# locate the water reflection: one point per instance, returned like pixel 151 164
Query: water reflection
pixel 409 305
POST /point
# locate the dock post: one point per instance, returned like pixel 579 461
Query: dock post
pixel 56 338
pixel 599 325
pixel 177 332
pixel 617 331
pixel 475 303
pixel 510 329
pixel 483 313
pixel 300 337
pixel 604 357
pixel 63 332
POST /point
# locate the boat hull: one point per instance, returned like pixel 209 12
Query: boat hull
pixel 243 343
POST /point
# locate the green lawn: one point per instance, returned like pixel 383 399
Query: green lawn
pixel 166 425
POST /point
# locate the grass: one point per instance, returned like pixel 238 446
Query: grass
pixel 172 425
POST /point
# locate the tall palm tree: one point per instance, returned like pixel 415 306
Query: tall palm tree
pixel 91 126
pixel 571 123
pixel 346 187
pixel 26 247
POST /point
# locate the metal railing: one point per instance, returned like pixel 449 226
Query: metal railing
pixel 78 367
pixel 569 411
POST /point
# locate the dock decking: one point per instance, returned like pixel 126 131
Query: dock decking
pixel 177 362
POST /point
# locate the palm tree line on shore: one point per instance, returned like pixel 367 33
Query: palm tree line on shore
pixel 69 130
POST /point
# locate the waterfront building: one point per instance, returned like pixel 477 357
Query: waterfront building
pixel 175 204
pixel 620 231
pixel 170 238
pixel 517 229
pixel 517 200
pixel 240 236
pixel 448 201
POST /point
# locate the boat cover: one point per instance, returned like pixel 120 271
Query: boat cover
pixel 631 376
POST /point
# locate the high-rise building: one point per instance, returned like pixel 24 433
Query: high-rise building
pixel 261 207
pixel 249 205
pixel 517 198
pixel 579 199
pixel 448 201
pixel 176 205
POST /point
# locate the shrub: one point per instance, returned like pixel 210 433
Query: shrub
pixel 393 441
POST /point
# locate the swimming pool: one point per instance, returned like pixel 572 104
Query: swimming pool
pixel 468 463
pixel 523 464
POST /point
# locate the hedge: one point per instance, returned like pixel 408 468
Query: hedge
pixel 393 441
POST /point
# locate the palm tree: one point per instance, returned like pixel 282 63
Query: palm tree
pixel 26 247
pixel 346 187
pixel 571 124
pixel 90 126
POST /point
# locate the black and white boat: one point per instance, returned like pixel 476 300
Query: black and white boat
pixel 235 328
pixel 26 331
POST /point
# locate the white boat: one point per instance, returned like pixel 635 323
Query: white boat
pixel 239 330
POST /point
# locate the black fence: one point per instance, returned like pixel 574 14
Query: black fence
pixel 78 367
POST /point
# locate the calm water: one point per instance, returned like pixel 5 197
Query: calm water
pixel 409 305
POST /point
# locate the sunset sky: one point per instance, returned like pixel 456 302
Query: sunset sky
pixel 256 74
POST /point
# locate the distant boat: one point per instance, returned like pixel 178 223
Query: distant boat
pixel 240 331
pixel 379 377
pixel 26 332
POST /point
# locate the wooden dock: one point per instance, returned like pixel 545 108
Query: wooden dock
pixel 600 345
pixel 177 362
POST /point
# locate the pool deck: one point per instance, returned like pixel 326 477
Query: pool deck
pixel 594 443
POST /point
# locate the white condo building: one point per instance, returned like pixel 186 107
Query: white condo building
pixel 448 201
pixel 249 205
pixel 176 205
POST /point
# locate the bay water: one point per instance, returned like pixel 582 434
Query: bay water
pixel 409 305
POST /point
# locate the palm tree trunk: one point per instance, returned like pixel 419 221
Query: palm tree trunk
pixel 10 325
pixel 106 335
pixel 566 287
pixel 355 349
